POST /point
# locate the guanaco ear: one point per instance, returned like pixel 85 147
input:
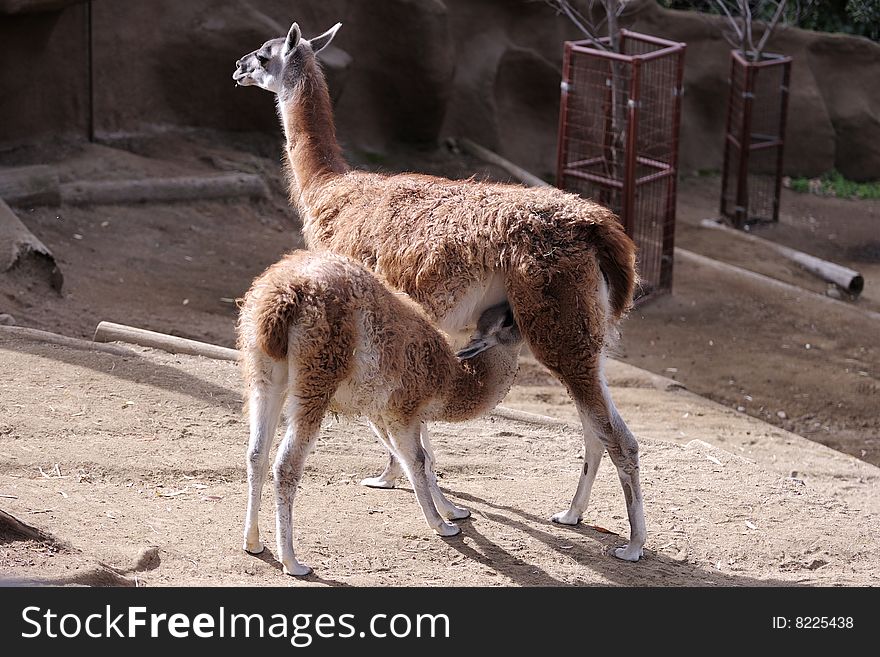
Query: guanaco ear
pixel 474 347
pixel 318 43
pixel 293 38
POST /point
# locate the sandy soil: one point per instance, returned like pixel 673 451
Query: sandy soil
pixel 746 504
pixel 136 465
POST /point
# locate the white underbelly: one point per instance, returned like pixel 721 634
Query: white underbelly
pixel 461 321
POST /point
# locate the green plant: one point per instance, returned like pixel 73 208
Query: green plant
pixel 856 17
pixel 835 184
pixel 801 185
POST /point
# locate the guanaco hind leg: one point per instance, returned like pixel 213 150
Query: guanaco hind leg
pixel 264 408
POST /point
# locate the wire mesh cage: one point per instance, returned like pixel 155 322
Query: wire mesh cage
pixel 751 178
pixel 618 140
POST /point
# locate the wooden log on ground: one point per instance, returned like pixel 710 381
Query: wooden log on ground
pixel 28 186
pixel 164 190
pixel 36 335
pixel 528 418
pixel 11 524
pixel 768 281
pixel 110 332
pixel 466 145
pixel 19 249
pixel 844 277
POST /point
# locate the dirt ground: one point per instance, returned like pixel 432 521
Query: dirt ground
pixel 130 433
pixel 135 464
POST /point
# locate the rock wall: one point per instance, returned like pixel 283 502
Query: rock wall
pixel 44 75
pixel 409 70
pixel 834 106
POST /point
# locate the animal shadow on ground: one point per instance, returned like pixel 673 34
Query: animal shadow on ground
pixel 133 368
pixel 653 570
pixel 267 557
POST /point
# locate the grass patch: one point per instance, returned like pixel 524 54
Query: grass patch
pixel 834 184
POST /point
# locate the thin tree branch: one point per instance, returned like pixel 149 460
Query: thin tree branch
pixel 751 25
pixel 770 27
pixel 730 18
pixel 613 30
pixel 579 21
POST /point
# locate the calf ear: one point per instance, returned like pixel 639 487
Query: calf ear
pixel 320 42
pixel 293 38
pixel 474 347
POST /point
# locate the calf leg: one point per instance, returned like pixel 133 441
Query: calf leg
pixel 302 432
pixel 446 508
pixel 264 408
pixel 405 442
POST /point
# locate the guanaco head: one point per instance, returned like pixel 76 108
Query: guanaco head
pixel 279 63
pixel 495 328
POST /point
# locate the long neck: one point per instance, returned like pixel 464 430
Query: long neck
pixel 312 150
pixel 480 383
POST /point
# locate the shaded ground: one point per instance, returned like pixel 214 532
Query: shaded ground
pixel 136 465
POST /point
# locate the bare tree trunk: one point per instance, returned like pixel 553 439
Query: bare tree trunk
pixel 741 16
pixel 612 11
pixel 615 121
pixel 618 129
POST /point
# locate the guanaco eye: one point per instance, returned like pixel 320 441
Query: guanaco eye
pixel 262 59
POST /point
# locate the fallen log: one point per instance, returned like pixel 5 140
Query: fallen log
pixel 20 248
pixel 164 190
pixel 843 277
pixel 787 288
pixel 11 524
pixel 110 332
pixel 36 335
pixel 24 186
pixel 528 418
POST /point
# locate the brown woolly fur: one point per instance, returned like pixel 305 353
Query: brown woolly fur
pixel 333 321
pixel 318 154
pixel 434 238
pixel 319 332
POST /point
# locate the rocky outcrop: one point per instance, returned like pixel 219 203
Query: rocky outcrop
pixel 44 77
pixel 834 108
pixel 402 71
pixel 412 70
pixel 847 74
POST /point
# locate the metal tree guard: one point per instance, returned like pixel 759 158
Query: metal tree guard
pixel 751 180
pixel 618 140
